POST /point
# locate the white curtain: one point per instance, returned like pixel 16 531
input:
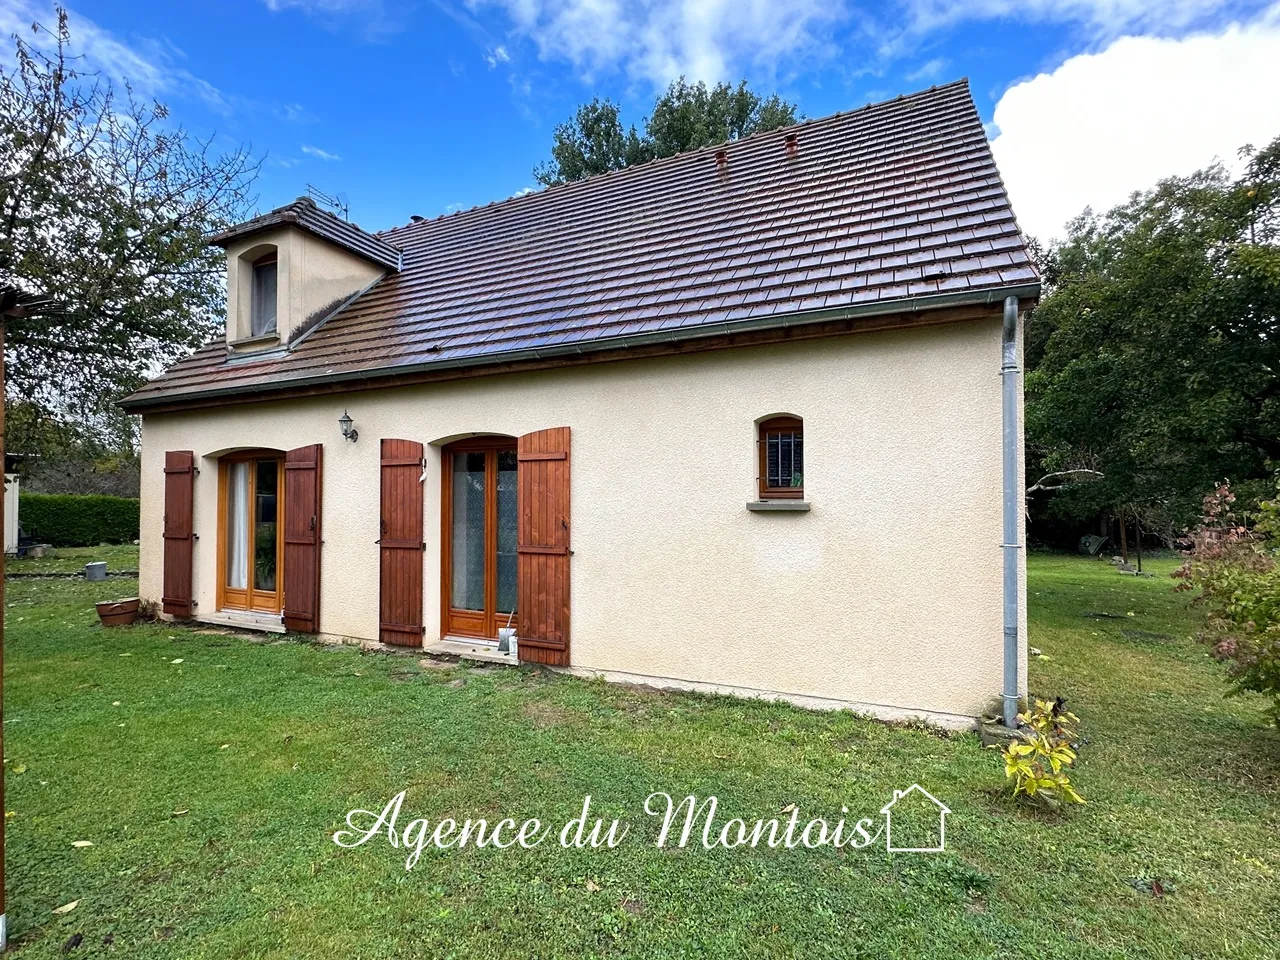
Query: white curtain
pixel 238 527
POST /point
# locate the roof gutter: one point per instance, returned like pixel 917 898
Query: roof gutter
pixel 554 351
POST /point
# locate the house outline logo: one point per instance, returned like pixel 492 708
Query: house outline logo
pixel 887 810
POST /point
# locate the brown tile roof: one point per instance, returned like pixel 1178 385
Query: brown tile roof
pixel 896 206
pixel 304 214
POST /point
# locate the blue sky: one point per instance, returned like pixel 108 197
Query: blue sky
pixel 427 107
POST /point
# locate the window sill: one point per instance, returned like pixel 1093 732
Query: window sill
pixel 255 349
pixel 254 343
pixel 778 506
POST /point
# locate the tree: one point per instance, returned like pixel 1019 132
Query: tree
pixel 685 117
pixel 104 207
pixel 592 142
pixel 60 456
pixel 689 116
pixel 1154 358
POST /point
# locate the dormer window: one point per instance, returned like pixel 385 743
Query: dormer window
pixel 289 270
pixel 263 312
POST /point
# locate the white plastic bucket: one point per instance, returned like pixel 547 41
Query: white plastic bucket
pixel 507 640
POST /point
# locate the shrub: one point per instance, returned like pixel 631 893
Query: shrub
pixel 1037 761
pixel 1234 568
pixel 78 520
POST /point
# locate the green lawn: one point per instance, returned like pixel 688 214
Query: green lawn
pixel 120 558
pixel 209 772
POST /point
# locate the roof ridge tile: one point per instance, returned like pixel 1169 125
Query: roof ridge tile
pixel 597 177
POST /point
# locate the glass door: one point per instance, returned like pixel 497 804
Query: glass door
pixel 479 566
pixel 249 551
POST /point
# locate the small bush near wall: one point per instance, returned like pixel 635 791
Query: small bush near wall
pixel 78 520
pixel 1236 568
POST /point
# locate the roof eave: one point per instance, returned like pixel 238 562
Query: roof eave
pixel 992 295
pixel 225 238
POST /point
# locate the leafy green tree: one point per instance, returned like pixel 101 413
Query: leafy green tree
pixel 1154 358
pixel 685 117
pixel 104 207
pixel 592 142
pixel 689 116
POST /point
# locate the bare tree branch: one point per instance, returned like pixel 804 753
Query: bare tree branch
pixel 1040 484
pixel 105 205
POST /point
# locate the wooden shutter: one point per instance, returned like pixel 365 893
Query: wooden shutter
pixel 179 531
pixel 400 605
pixel 302 474
pixel 542 563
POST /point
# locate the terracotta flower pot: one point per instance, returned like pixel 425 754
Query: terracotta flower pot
pixel 116 613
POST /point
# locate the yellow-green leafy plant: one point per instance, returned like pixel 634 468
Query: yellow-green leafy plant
pixel 1036 762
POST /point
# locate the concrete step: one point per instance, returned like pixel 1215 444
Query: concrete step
pixel 244 620
pixel 464 649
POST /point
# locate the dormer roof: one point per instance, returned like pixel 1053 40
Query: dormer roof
pixel 305 215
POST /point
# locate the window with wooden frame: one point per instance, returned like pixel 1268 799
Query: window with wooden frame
pixel 262 318
pixel 781 458
pixel 478 497
pixel 250 548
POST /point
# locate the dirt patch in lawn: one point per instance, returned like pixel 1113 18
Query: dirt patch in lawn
pixel 543 715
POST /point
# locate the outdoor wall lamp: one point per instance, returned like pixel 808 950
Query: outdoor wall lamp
pixel 348 431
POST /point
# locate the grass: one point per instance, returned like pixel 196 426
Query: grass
pixel 120 558
pixel 209 773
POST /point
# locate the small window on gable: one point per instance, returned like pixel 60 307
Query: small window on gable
pixel 263 308
pixel 781 443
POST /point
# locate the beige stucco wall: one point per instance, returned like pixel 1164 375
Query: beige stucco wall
pixel 886 594
pixel 312 278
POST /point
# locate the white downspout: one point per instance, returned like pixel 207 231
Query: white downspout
pixel 1012 505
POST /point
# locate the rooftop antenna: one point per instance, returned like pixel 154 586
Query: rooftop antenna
pixel 335 202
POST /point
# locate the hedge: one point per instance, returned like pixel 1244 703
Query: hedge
pixel 78 520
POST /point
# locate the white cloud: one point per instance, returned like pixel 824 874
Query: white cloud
pixel 657 40
pixel 370 19
pixel 928 70
pixel 496 56
pixel 319 154
pixel 153 68
pixel 1108 18
pixel 1105 124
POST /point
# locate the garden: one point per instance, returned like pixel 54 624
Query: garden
pixel 174 792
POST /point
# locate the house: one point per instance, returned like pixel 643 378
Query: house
pixel 729 421
pixel 15 304
pixel 922 821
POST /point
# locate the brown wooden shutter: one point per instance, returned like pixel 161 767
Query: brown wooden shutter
pixel 302 475
pixel 400 605
pixel 179 530
pixel 542 564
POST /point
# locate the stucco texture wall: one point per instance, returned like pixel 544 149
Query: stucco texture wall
pixel 887 594
pixel 313 278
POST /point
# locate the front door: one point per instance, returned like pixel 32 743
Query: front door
pixel 480 528
pixel 251 490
